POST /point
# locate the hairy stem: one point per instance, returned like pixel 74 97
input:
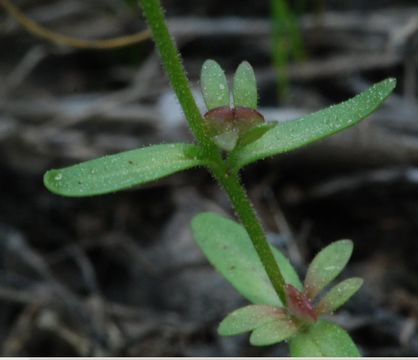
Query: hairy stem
pixel 175 70
pixel 230 182
pixel 246 213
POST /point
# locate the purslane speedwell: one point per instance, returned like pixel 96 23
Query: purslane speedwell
pixel 228 137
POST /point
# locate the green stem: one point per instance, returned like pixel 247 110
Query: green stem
pixel 174 68
pixel 230 182
pixel 246 213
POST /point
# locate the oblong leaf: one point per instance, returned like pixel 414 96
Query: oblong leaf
pixel 323 339
pixel 273 332
pixel 338 296
pixel 121 171
pixel 293 134
pixel 245 86
pixel 326 266
pixel 228 248
pixel 214 85
pixel 248 318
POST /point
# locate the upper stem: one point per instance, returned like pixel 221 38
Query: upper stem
pixel 174 68
pixel 230 182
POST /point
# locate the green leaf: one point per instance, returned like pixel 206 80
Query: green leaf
pixel 323 339
pixel 326 265
pixel 245 87
pixel 254 133
pixel 338 296
pixel 229 249
pixel 248 318
pixel 293 134
pixel 273 332
pixel 214 85
pixel 121 171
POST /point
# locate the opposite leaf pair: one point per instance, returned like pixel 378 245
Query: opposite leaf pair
pixel 140 166
pixel 231 127
pixel 215 87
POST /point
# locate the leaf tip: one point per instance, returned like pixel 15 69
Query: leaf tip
pixel 209 64
pixel 357 283
pixel 392 82
pixel 222 330
pixel 51 180
pixel 346 244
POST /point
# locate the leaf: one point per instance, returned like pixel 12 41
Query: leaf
pixel 214 85
pixel 326 265
pixel 293 134
pixel 323 339
pixel 245 87
pixel 273 332
pixel 121 171
pixel 338 296
pixel 248 318
pixel 229 249
pixel 254 133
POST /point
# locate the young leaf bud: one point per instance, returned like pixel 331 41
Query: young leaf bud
pixel 237 126
pixel 299 305
pixel 245 87
pixel 214 85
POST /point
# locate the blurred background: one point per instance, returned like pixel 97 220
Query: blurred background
pixel 119 275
